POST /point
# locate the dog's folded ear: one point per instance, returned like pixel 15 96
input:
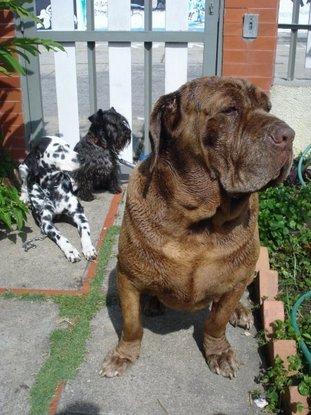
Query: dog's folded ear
pixel 93 118
pixel 163 120
pixel 31 162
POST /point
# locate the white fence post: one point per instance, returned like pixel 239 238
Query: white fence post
pixel 176 55
pixel 120 83
pixel 65 74
pixel 308 46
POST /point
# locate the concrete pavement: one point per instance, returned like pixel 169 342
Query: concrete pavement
pixel 25 328
pixel 45 266
pixel 171 375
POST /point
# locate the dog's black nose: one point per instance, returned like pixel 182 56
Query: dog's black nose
pixel 283 135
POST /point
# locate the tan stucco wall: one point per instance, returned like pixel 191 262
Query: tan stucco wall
pixel 293 105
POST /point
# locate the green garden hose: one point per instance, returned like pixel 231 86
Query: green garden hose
pixel 303 155
pixel 293 318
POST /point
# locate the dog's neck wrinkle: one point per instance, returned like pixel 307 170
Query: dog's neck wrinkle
pixel 187 186
pixel 199 198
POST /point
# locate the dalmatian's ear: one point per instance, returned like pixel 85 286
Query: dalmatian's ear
pixel 31 162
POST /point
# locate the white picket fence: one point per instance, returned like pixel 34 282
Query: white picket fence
pixel 119 63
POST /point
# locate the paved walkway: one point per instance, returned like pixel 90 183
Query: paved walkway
pixel 171 376
pixel 45 266
pixel 25 328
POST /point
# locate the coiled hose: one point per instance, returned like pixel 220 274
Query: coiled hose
pixel 303 155
pixel 293 318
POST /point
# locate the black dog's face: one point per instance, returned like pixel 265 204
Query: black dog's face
pixel 111 129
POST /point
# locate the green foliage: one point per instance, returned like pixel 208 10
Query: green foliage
pixel 284 226
pixel 7 164
pixel 276 379
pixel 12 209
pixel 10 49
pixel 305 385
pixel 283 330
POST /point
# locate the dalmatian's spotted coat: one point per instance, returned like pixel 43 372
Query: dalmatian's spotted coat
pixel 48 188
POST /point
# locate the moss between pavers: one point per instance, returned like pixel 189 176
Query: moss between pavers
pixel 68 346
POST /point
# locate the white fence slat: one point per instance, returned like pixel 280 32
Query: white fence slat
pixel 308 46
pixel 65 74
pixel 176 55
pixel 120 83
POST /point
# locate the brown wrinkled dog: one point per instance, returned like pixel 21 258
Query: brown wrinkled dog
pixel 189 234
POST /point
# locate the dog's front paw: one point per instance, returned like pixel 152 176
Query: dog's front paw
pixel 114 365
pixel 89 253
pixel 242 317
pixel 220 356
pixel 72 254
pixel 224 364
pixel 24 198
pixel 115 190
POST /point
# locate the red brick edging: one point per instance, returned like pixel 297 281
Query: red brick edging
pixel 55 401
pixel 91 268
pixel 272 310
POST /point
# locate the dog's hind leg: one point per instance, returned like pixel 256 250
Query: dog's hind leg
pixel 242 317
pixel 84 231
pixel 48 228
pixel 128 349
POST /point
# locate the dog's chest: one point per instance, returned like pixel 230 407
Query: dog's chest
pixel 197 270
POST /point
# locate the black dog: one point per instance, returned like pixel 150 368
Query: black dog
pixel 109 133
pixel 48 189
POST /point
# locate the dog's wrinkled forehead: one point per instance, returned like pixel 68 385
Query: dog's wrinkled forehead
pixel 221 93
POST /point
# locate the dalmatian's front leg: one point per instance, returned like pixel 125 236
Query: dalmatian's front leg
pixel 49 229
pixel 23 172
pixel 84 231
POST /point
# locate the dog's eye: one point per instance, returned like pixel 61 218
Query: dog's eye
pixel 229 110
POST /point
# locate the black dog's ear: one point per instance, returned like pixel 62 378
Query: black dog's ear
pixel 163 120
pixel 31 162
pixel 112 109
pixel 93 118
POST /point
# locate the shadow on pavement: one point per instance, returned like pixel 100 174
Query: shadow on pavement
pixel 170 321
pixel 80 408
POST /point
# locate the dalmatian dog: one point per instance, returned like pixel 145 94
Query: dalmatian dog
pixel 48 189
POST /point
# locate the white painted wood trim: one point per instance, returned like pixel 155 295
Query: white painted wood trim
pixel 176 55
pixel 120 82
pixel 65 74
pixel 308 46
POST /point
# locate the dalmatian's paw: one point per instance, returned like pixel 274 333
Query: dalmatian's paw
pixel 72 254
pixel 89 252
pixel 24 197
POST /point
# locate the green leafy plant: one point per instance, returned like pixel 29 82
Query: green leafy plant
pixel 12 209
pixel 304 386
pixel 277 378
pixel 284 224
pixel 285 228
pixel 11 48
